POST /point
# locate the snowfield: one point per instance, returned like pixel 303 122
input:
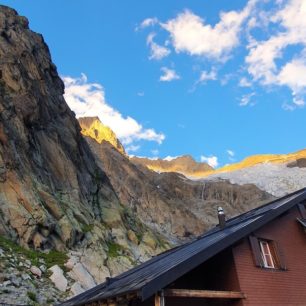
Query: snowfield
pixel 276 179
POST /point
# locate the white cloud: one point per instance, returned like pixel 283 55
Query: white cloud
pixel 230 153
pixel 210 160
pixel 168 75
pixel 293 74
pixel 189 33
pixel 244 82
pixel 169 158
pixel 263 55
pixel 208 75
pixel 148 22
pixel 246 99
pixel 88 99
pixel 157 51
pixel 132 148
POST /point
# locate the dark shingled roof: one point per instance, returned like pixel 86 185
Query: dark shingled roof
pixel 158 272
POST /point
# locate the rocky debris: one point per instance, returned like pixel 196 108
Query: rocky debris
pixel 18 286
pixel 300 163
pixel 119 264
pixel 82 276
pixel 76 288
pixel 36 271
pixel 58 278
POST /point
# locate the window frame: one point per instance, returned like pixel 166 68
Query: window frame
pixel 268 254
pixel 279 260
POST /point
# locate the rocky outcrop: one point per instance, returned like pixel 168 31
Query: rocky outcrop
pixel 182 164
pixel 94 128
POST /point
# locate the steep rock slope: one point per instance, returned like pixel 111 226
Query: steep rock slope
pixel 183 164
pixel 50 184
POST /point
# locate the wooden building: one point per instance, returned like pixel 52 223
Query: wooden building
pixel 256 258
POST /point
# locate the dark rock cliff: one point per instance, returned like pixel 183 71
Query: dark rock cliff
pixel 50 184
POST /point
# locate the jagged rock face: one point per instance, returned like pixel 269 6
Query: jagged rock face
pixel 170 202
pixel 94 128
pixel 183 164
pixel 137 190
pixel 50 184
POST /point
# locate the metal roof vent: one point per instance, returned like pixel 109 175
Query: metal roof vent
pixel 221 217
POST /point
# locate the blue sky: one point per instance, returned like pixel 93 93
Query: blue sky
pixel 220 80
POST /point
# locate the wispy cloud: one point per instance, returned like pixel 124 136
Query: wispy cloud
pixel 246 99
pixel 244 82
pixel 132 148
pixel 208 76
pixel 157 52
pixel 88 99
pixel 230 153
pixel 148 22
pixel 210 160
pixel 168 75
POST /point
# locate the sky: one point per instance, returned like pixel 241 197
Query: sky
pixel 219 80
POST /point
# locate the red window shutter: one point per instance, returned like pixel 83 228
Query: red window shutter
pixel 256 251
pixel 302 210
pixel 280 256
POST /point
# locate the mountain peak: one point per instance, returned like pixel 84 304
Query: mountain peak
pixel 184 164
pixel 94 128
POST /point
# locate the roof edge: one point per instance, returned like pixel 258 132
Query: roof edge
pixel 162 281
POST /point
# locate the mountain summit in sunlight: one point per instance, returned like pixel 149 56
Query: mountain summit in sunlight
pixel 182 164
pixel 296 159
pixel 94 128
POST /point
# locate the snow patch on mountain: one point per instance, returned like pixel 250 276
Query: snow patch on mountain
pixel 276 179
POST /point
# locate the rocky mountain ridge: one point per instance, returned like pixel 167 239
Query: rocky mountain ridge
pixel 184 164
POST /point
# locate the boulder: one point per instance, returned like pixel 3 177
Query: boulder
pixel 36 271
pixel 76 289
pixel 58 278
pixel 82 276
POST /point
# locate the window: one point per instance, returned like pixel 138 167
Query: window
pixel 267 254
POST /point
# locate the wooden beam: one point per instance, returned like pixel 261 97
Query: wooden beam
pixel 159 299
pixel 212 294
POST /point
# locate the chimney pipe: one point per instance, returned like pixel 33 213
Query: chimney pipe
pixel 221 217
